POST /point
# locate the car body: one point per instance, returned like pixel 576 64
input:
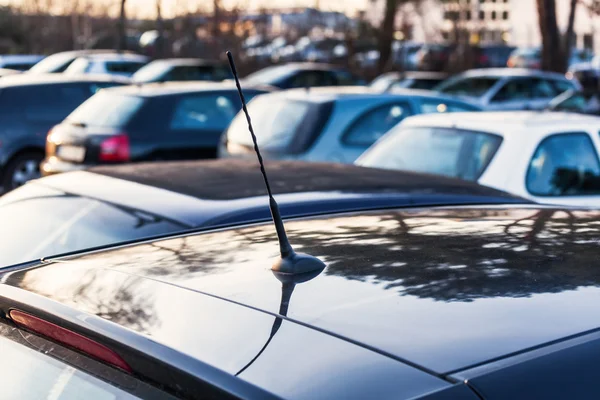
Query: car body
pixel 166 121
pixel 327 124
pixel 59 62
pixel 408 80
pixel 106 205
pixel 120 64
pixel 7 72
pixel 181 69
pixel 460 303
pixel 301 75
pixel 29 107
pixel 548 157
pixel 508 89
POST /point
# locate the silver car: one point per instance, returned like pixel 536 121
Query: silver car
pixel 508 88
pixel 327 124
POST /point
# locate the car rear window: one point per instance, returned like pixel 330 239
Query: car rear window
pixel 473 87
pixel 442 151
pixel 106 109
pixel 275 123
pixel 39 221
pixel 124 67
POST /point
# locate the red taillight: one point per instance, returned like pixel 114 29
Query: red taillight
pixel 115 149
pixel 68 338
pixel 483 59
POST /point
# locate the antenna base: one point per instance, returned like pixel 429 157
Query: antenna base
pixel 298 263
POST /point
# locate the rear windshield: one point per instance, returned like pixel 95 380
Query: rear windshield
pixel 472 87
pixel 443 151
pixel 106 109
pixel 152 71
pixel 275 122
pixel 39 222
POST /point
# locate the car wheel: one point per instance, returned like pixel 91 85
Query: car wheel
pixel 23 168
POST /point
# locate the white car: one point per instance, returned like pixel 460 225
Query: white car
pixel 123 64
pixel 20 62
pixel 501 89
pixel 543 156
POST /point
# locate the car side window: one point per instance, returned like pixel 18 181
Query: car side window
pixel 542 89
pixel 307 79
pixel 207 112
pixel 562 86
pixel 513 90
pixel 564 164
pixel 123 67
pixel 373 124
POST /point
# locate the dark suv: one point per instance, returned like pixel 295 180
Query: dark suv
pixel 166 121
pixel 29 107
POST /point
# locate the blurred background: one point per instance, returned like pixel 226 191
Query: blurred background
pixel 369 36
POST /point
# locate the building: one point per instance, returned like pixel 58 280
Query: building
pixel 513 22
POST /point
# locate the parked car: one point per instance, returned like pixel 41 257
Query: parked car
pixel 105 205
pixel 508 89
pixel 405 55
pixel 327 124
pixel 408 80
pixel 181 69
pixel 19 62
pixel 461 303
pixel 548 157
pixel 59 62
pixel 124 64
pixel 169 121
pixel 29 107
pixel 532 57
pixel 525 58
pixel 301 75
pixel 493 56
pixel 434 57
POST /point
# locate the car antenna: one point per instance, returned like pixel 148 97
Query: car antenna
pixel 290 262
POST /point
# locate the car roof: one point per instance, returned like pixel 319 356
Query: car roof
pixel 187 61
pixel 509 72
pixel 100 57
pixel 416 75
pixel 175 88
pixel 445 289
pixel 41 79
pixel 230 191
pixel 341 93
pixel 507 123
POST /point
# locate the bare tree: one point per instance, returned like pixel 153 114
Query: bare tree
pixel 386 34
pixel 121 27
pixel 556 46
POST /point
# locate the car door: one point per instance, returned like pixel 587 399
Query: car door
pixel 369 127
pixel 565 169
pixel 197 122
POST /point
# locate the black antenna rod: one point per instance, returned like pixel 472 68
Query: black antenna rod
pixel 290 261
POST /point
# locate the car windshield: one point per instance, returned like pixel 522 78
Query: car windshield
pixel 38 221
pixel 151 72
pixel 443 151
pixel 472 87
pixel 269 75
pixel 106 109
pixel 267 117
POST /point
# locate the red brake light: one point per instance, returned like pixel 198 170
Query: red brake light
pixel 115 149
pixel 68 338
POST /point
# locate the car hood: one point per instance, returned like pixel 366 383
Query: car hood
pixel 447 289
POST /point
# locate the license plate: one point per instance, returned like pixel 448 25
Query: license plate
pixel 71 153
